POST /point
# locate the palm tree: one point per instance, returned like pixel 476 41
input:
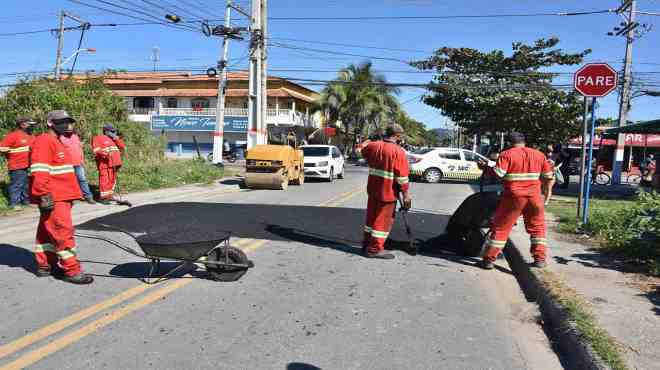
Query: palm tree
pixel 360 99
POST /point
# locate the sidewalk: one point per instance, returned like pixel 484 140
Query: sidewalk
pixel 627 305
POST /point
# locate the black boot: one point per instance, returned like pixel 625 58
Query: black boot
pixel 382 255
pixel 80 279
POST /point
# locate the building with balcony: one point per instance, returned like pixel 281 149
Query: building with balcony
pixel 182 105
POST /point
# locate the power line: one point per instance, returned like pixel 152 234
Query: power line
pixel 293 47
pixel 351 45
pixel 149 15
pixel 444 17
pixel 128 15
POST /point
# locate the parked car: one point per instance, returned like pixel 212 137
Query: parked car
pixel 323 161
pixel 435 164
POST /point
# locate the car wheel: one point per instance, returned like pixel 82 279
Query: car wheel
pixel 331 176
pixel 341 175
pixel 432 175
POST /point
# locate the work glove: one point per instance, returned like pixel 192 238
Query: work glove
pixel 46 203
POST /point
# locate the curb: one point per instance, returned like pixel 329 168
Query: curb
pixel 574 352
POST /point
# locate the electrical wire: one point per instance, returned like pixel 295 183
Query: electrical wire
pixel 127 15
pixel 149 15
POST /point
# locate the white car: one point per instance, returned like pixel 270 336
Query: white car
pixel 323 161
pixel 435 164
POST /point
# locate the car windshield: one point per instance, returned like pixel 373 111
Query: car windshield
pixel 423 151
pixel 316 151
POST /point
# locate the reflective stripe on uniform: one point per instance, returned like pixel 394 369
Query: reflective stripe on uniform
pixel 4 149
pixel 500 172
pixel 104 193
pixel 402 180
pixel 538 241
pixel 97 149
pixel 67 253
pixel 53 170
pixel 376 233
pixel 39 167
pixel 20 149
pixel 521 176
pixel 113 149
pixel 41 248
pixel 499 244
pixel 381 173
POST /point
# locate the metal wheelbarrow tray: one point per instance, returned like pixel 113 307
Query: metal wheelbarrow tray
pixel 190 246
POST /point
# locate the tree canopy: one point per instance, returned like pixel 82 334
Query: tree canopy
pixel 364 102
pixel 488 92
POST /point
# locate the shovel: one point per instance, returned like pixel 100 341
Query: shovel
pixel 412 248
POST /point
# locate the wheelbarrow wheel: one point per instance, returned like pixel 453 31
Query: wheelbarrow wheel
pixel 227 273
pixel 474 243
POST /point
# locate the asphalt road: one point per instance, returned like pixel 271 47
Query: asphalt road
pixel 310 302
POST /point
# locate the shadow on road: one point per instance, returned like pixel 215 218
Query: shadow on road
pixel 301 366
pixel 323 227
pixel 13 256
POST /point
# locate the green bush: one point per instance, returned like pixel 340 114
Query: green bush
pixel 92 105
pixel 631 229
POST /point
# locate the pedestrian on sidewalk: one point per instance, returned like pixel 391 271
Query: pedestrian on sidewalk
pixel 107 151
pixel 73 144
pixel 521 170
pixel 54 188
pixel 15 146
pixel 565 166
pixel 388 179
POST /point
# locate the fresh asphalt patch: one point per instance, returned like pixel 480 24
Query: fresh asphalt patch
pixel 323 227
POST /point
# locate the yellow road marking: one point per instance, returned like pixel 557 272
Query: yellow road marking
pixel 70 320
pixel 60 343
pixel 68 339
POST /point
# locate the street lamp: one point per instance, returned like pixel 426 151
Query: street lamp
pixel 88 50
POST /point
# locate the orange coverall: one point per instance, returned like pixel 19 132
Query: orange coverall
pixel 521 169
pixel 52 173
pixel 388 175
pixel 108 161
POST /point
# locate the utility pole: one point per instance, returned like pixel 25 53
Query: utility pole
pixel 218 135
pixel 60 46
pixel 60 38
pixel 255 119
pixel 262 137
pixel 629 29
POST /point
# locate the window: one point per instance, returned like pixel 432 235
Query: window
pixel 472 156
pixel 316 151
pixel 198 104
pixel 453 155
pixel 143 102
pixel 172 103
pixel 423 151
pixel 335 153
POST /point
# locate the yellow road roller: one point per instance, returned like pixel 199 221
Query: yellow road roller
pixel 275 165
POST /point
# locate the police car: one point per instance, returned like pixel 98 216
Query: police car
pixel 435 164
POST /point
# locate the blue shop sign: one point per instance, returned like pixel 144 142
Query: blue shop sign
pixel 197 123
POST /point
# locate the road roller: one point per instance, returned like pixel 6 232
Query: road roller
pixel 278 163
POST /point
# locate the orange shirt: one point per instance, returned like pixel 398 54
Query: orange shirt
pixel 52 170
pixel 521 170
pixel 16 147
pixel 107 151
pixel 388 170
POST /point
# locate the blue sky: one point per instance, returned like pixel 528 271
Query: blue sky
pixel 131 46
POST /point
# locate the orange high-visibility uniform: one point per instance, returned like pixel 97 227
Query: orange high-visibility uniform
pixel 52 173
pixel 521 169
pixel 107 153
pixel 388 175
pixel 16 147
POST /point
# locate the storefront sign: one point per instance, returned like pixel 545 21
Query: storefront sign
pixel 197 123
pixel 636 140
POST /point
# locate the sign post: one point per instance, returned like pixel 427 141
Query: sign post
pixel 593 80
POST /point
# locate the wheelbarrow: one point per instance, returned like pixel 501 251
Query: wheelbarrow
pixel 210 249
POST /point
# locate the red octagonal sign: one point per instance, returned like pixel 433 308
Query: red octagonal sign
pixel 595 80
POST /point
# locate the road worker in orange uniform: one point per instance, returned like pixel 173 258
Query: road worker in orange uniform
pixel 107 151
pixel 54 189
pixel 15 146
pixel 388 177
pixel 521 170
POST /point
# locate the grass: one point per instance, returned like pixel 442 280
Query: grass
pixel 141 176
pixel 579 313
pixel 630 229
